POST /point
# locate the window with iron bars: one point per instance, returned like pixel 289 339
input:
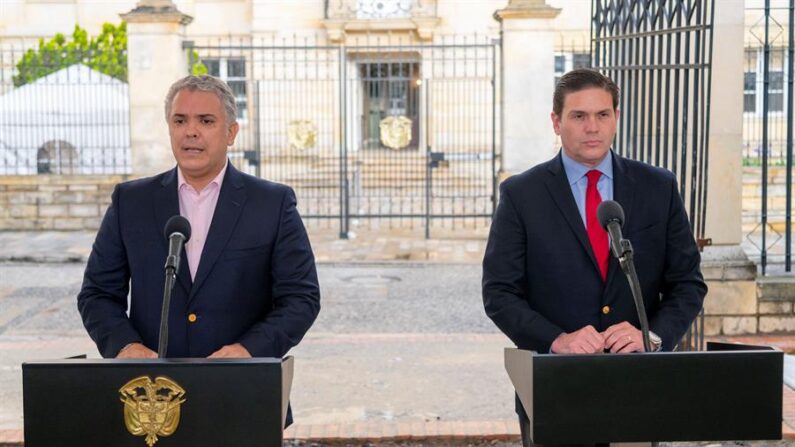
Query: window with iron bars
pixel 233 72
pixel 565 62
pixel 753 81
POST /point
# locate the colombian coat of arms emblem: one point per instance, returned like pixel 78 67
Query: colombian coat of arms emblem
pixel 152 408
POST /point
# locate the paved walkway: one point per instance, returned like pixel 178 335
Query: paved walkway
pixel 72 248
pixel 387 245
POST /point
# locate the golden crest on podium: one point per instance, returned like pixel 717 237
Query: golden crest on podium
pixel 152 408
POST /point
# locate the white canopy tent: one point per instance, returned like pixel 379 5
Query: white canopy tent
pixel 73 121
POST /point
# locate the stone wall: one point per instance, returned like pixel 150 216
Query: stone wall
pixel 49 202
pixel 739 303
pixel 776 298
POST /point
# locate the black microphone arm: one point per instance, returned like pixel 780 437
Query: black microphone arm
pixel 611 217
pixel 177 232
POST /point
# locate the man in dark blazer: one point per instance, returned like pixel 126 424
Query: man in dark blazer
pixel 247 284
pixel 549 281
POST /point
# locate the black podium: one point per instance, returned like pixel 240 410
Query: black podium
pixel 162 403
pixel 729 392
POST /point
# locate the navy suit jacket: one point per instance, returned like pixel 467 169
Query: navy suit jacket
pixel 540 277
pixel 256 283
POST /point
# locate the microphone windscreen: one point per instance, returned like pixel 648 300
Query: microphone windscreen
pixel 610 211
pixel 177 224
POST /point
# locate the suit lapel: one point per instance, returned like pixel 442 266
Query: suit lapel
pixel 624 194
pixel 166 205
pixel 231 199
pixel 558 186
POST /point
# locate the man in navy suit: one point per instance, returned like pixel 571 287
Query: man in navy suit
pixel 247 284
pixel 549 281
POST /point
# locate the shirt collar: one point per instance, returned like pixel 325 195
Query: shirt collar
pixel 576 171
pixel 218 180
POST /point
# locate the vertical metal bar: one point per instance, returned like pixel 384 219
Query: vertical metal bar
pixel 649 92
pixel 343 156
pixel 790 63
pixel 494 128
pixel 686 124
pixel 666 122
pixel 428 175
pixel 596 24
pixel 258 129
pixel 677 53
pixel 695 146
pixel 765 105
pixel 641 106
pixel 622 75
pixel 658 116
pixel 635 82
pixel 708 103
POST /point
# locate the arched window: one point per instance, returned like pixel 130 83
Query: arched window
pixel 56 157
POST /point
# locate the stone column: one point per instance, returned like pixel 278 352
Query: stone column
pixel 155 59
pixel 731 306
pixel 726 126
pixel 528 76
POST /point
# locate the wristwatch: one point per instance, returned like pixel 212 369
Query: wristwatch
pixel 655 341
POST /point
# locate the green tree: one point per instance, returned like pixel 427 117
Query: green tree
pixel 106 53
pixel 197 68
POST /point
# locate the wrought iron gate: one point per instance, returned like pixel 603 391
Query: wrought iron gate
pixel 659 53
pixel 768 135
pixel 373 135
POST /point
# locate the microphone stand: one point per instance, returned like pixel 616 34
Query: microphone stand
pixel 627 262
pixel 172 264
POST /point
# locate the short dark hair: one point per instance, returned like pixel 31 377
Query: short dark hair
pixel 581 79
pixel 204 83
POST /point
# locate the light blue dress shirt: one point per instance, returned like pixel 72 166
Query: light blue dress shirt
pixel 578 181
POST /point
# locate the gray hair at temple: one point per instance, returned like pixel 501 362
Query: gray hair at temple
pixel 205 83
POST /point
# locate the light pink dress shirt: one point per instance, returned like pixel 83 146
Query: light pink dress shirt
pixel 198 207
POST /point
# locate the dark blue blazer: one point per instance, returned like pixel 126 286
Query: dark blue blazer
pixel 256 283
pixel 540 277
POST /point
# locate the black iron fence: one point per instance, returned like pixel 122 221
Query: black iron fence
pixel 767 135
pixel 60 114
pixel 382 133
pixel 659 53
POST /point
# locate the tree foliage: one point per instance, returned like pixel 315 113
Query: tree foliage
pixel 106 53
pixel 197 68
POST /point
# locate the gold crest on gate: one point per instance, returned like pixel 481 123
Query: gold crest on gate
pixel 395 132
pixel 301 134
pixel 151 408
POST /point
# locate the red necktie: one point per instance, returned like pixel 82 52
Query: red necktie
pixel 596 234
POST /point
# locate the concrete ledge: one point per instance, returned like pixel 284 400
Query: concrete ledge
pixel 727 263
pixel 773 288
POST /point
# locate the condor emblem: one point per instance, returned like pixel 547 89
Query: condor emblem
pixel 152 408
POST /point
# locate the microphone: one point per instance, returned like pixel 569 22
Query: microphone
pixel 611 218
pixel 177 232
